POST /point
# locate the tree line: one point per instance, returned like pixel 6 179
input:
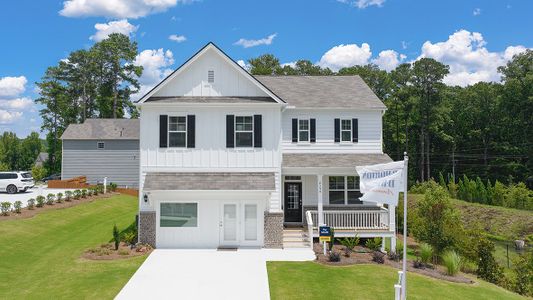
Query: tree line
pixel 482 130
pixel 19 154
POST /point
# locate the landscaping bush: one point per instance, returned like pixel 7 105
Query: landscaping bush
pixel 76 195
pixel 95 191
pixel 5 208
pixel 334 256
pixel 31 203
pixel 40 201
pixel 349 243
pixel 89 192
pixel 59 197
pixel 112 187
pixel 452 262
pixel 373 244
pixel 38 173
pixel 116 236
pixel 100 188
pixel 84 193
pixel 50 199
pixel 17 205
pixel 523 274
pixel 487 267
pixel 417 264
pixel 426 252
pixel 130 237
pixel 378 257
pixel 68 196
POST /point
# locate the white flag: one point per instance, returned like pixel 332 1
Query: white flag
pixel 381 183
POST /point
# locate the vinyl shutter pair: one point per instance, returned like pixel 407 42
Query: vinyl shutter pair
pixel 312 130
pixel 163 131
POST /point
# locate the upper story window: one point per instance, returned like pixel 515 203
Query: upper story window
pixel 211 76
pixel 100 145
pixel 244 131
pixel 177 131
pixel 346 130
pixel 344 190
pixel 303 130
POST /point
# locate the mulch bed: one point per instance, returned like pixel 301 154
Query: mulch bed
pixel 362 255
pixel 108 252
pixel 28 213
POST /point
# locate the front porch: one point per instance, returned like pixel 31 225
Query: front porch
pixel 349 223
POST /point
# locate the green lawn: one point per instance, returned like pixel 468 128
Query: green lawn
pixel 310 280
pixel 40 256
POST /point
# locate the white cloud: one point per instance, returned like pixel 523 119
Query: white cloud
pixel 477 12
pixel 116 8
pixel 405 45
pixel 103 30
pixel 16 104
pixel 177 38
pixel 7 117
pixel 363 3
pixel 469 60
pixel 345 56
pixel 291 64
pixel 155 65
pixel 252 43
pixel 12 86
pixel 388 60
pixel 243 64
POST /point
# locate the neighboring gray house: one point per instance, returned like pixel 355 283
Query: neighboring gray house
pixel 41 159
pixel 101 148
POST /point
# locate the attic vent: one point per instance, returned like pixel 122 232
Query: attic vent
pixel 211 76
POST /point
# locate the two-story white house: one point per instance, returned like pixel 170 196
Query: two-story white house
pixel 228 159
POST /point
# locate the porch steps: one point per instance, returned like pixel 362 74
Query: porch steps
pixel 295 238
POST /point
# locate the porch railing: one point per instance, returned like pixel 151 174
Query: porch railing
pixel 351 219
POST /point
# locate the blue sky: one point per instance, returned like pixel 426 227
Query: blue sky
pixel 473 37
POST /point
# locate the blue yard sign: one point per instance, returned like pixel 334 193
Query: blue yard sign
pixel 325 231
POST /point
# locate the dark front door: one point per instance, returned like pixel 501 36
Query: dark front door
pixel 293 202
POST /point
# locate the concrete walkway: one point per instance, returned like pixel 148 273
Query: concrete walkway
pixel 207 274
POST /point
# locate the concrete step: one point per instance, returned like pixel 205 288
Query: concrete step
pixel 295 234
pixel 295 245
pixel 295 239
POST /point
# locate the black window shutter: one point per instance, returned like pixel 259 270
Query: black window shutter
pixel 295 130
pixel 163 131
pixel 337 130
pixel 313 131
pixel 230 138
pixel 258 131
pixel 355 130
pixel 191 131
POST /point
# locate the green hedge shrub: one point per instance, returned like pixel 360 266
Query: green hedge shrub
pixel 50 199
pixel 5 208
pixel 452 262
pixel 17 206
pixel 31 203
pixel 40 201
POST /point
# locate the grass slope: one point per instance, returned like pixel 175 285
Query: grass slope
pixel 309 280
pixel 40 257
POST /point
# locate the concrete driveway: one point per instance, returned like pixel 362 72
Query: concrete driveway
pixel 31 193
pixel 207 274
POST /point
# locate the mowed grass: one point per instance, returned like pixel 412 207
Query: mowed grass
pixel 40 256
pixel 310 280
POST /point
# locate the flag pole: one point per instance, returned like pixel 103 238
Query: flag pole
pixel 404 267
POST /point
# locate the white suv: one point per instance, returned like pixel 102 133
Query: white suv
pixel 13 182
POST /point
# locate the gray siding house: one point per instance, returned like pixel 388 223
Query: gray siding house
pixel 101 148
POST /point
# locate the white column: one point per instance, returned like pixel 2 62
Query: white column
pixel 320 200
pixel 383 240
pixel 392 227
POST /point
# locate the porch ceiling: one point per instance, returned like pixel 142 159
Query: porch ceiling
pixel 341 160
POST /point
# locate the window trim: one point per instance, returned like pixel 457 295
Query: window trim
pixel 245 131
pixel 178 131
pixel 345 130
pixel 181 202
pixel 308 130
pixel 345 189
pixel 98 143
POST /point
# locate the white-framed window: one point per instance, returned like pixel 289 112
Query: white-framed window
pixel 303 130
pixel 344 190
pixel 244 131
pixel 177 131
pixel 100 145
pixel 346 130
pixel 178 214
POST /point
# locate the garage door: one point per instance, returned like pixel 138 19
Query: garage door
pixel 209 223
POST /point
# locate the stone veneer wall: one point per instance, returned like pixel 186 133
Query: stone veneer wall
pixel 273 229
pixel 147 227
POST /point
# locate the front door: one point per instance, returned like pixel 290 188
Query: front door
pixel 229 225
pixel 293 202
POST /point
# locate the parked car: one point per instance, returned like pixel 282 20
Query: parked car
pixel 13 182
pixel 52 177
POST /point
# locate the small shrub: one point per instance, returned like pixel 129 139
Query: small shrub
pixel 393 256
pixel 40 201
pixel 68 196
pixel 373 244
pixel 523 274
pixel 487 267
pixel 95 191
pixel 50 199
pixel 425 252
pixel 17 206
pixel 349 243
pixel 378 257
pixel 112 187
pixel 89 192
pixel 5 208
pixel 452 262
pixel 84 193
pixel 31 203
pixel 59 198
pixel 334 256
pixel 399 248
pixel 116 236
pixel 100 189
pixel 76 195
pixel 129 238
pixel 123 252
pixel 417 264
pixel 468 266
pixel 38 173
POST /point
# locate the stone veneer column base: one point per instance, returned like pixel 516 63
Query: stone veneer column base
pixel 273 229
pixel 147 227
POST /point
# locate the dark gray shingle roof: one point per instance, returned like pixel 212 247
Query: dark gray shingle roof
pixel 261 181
pixel 211 99
pixel 323 91
pixel 305 160
pixel 103 129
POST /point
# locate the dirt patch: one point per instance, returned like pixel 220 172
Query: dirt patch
pixel 29 213
pixel 362 255
pixel 108 252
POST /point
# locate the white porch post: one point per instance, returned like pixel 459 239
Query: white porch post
pixel 320 200
pixel 392 227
